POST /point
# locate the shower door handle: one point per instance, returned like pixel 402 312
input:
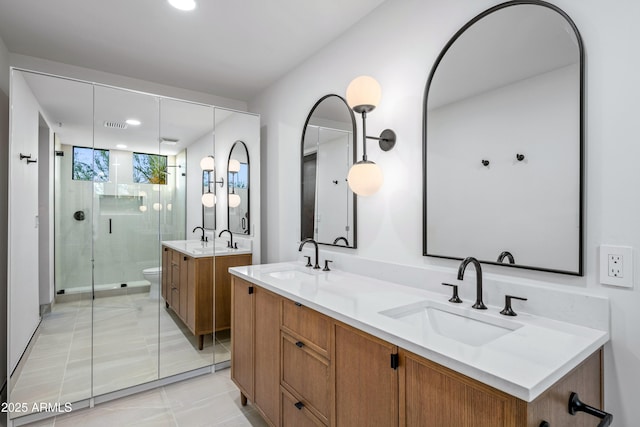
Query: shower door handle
pixel 110 226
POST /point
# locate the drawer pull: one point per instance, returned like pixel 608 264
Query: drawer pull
pixel 298 304
pixel 300 344
pixel 299 405
pixel 184 258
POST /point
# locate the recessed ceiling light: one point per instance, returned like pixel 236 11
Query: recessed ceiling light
pixel 183 4
pixel 133 122
pixel 121 146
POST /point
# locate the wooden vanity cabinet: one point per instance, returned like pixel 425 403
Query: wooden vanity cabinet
pixel 255 347
pixel 188 288
pixel 302 368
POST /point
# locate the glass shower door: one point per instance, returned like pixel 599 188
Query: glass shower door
pixel 126 217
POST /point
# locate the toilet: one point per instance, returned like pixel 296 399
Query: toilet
pixel 153 276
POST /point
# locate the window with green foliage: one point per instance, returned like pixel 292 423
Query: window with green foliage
pixel 90 164
pixel 149 168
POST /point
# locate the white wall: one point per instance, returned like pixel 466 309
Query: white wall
pixel 23 211
pixel 390 222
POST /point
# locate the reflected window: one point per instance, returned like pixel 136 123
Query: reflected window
pixel 90 164
pixel 149 168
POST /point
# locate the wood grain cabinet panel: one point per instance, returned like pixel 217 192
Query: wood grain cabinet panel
pixel 297 416
pixel 305 373
pixel 307 324
pixel 366 386
pixel 255 347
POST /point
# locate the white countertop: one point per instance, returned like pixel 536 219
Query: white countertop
pixel 523 362
pixel 198 249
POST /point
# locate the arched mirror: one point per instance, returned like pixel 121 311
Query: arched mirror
pixel 328 206
pixel 503 141
pixel 238 189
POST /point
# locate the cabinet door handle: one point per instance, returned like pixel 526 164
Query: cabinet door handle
pixel 250 290
pixel 184 258
pixel 298 304
pixel 109 225
pixel 165 249
pixel 300 344
pixel 299 405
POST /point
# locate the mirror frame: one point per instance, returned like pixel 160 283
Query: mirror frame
pixel 354 244
pixel 246 150
pixel 580 269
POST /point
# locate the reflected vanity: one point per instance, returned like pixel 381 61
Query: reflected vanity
pixel 328 206
pixel 503 141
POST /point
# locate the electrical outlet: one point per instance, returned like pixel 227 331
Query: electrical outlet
pixel 616 266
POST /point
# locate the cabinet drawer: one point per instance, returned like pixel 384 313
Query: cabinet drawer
pixel 307 324
pixel 306 374
pixel 294 416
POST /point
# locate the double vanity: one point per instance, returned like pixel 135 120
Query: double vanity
pixel 201 301
pixel 313 347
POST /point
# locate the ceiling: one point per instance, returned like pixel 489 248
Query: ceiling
pixel 234 49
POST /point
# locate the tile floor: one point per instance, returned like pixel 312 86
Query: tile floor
pixel 120 335
pixel 208 400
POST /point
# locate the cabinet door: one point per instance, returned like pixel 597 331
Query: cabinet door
pixel 174 284
pixel 267 355
pixel 242 328
pixel 366 386
pixel 431 395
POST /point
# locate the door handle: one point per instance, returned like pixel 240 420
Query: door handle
pixel 110 228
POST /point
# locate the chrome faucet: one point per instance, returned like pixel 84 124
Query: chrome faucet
pixel 471 260
pixel 229 242
pixel 203 238
pixel 309 240
pixel 508 256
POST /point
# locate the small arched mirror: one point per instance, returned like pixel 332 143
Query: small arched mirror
pixel 328 206
pixel 503 141
pixel 238 189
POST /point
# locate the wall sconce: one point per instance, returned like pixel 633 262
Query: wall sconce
pixel 363 96
pixel 234 168
pixel 207 164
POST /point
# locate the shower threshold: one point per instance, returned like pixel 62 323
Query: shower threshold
pixel 104 290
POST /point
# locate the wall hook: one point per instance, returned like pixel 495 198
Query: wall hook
pixel 485 162
pixel 335 181
pixel 32 161
pixel 25 156
pixel 520 157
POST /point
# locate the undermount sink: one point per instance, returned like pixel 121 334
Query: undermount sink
pixel 457 323
pixel 290 275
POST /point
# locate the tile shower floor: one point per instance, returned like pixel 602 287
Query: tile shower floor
pixel 123 346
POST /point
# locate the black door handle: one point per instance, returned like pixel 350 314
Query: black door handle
pixel 300 344
pixel 299 405
pixel 110 226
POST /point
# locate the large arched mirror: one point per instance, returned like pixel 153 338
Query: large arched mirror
pixel 503 141
pixel 238 189
pixel 328 206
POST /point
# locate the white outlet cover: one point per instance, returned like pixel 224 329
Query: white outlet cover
pixel 626 281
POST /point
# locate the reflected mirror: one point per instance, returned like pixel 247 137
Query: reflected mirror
pixel 502 155
pixel 328 206
pixel 238 189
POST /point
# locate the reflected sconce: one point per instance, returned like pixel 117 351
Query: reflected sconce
pixel 207 164
pixel 363 96
pixel 234 168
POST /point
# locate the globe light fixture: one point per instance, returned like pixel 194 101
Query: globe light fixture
pixel 363 96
